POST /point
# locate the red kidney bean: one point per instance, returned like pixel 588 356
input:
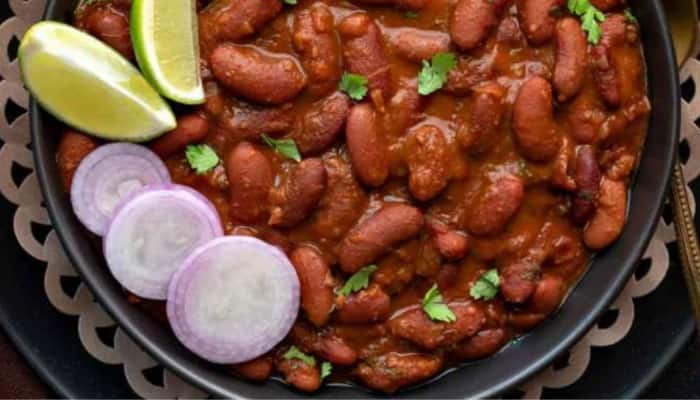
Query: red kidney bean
pixel 405 4
pixel 343 202
pixel 467 74
pixel 377 234
pixel 258 369
pixel 613 33
pixel 364 53
pixel 318 129
pixel 585 119
pixel 567 254
pixel 547 295
pixel 606 224
pixel 616 124
pixel 298 194
pixel 605 75
pixel 388 372
pixel 415 326
pixel 452 244
pixel 404 108
pixel 571 58
pixel 519 280
pixel 258 75
pixel 247 122
pixel 336 351
pixel 299 374
pixel 318 47
pixel 317 298
pixel 191 128
pixel 536 132
pixel 109 24
pixel 618 163
pixel 418 44
pixel 587 178
pixel 366 145
pixel 607 5
pixel 560 178
pixel 483 344
pixel 496 206
pixel 250 178
pixel 232 20
pixel 324 345
pixel 472 21
pixel 537 20
pixel 428 162
pixel 524 320
pixel 482 132
pixel 366 306
pixel 72 149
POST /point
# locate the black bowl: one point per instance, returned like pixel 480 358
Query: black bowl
pixel 597 288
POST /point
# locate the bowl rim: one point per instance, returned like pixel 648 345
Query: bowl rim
pixel 583 323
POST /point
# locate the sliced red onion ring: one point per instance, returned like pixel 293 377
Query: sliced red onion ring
pixel 109 174
pixel 233 300
pixel 153 232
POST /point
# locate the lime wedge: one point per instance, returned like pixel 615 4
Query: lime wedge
pixel 165 38
pixel 89 86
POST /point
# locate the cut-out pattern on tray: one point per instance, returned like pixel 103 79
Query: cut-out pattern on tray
pixel 143 374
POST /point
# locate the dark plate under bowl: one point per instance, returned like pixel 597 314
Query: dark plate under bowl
pixel 596 289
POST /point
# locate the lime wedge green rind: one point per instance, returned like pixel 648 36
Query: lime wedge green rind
pixel 166 44
pixel 89 86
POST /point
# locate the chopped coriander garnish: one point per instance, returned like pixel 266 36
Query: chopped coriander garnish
pixel 486 287
pixel 294 352
pixel 411 14
pixel 434 306
pixel 201 157
pixel 285 147
pixel 290 2
pixel 358 281
pixel 326 369
pixel 433 75
pixel 630 17
pixel 590 18
pixel 354 85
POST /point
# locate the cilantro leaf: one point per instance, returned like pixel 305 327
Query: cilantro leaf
pixel 358 281
pixel 590 18
pixel 201 157
pixel 630 17
pixel 411 14
pixel 295 353
pixel 486 287
pixel 354 85
pixel 290 2
pixel 285 147
pixel 433 75
pixel 326 369
pixel 434 306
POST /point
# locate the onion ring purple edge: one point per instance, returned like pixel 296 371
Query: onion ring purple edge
pixel 99 154
pixel 123 207
pixel 183 277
